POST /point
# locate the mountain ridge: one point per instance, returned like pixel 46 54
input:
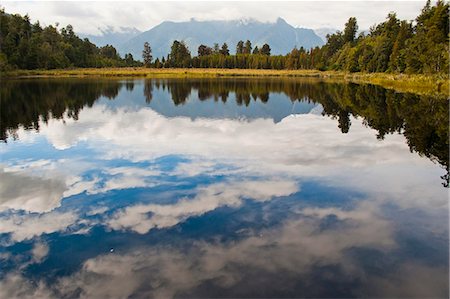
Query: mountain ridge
pixel 281 36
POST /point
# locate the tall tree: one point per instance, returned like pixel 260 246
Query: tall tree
pixel 216 48
pixel 247 47
pixel 265 50
pixel 179 55
pixel 351 27
pixel 240 47
pixel 147 54
pixel 204 50
pixel 224 50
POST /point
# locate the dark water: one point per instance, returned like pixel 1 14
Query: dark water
pixel 221 188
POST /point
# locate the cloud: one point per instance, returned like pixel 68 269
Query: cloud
pixel 294 251
pixel 39 252
pixel 28 226
pixel 298 146
pixel 141 218
pixel 15 286
pixel 29 193
pixel 88 17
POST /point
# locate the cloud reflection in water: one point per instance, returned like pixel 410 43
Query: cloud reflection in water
pixel 209 206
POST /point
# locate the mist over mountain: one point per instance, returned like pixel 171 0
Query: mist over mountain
pixel 112 36
pixel 281 36
pixel 324 31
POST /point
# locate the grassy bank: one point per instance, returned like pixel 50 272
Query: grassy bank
pixel 421 84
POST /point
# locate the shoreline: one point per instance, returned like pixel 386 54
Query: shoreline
pixel 419 84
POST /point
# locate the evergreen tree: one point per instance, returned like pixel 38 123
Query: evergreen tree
pixel 147 54
pixel 216 49
pixel 204 50
pixel 224 50
pixel 179 55
pixel 265 50
pixel 29 46
pixel 240 47
pixel 351 27
pixel 247 48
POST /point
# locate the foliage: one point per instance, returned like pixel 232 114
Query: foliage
pixel 147 54
pixel 179 55
pixel 393 46
pixel 29 46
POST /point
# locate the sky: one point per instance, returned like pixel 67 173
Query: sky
pixel 90 17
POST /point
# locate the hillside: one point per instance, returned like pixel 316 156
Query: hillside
pixel 281 36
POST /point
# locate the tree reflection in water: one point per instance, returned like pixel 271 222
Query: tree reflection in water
pixel 422 119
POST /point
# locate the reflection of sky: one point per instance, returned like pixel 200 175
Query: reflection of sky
pixel 277 108
pixel 208 199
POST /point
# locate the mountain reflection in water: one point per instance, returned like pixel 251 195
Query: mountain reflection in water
pixel 221 188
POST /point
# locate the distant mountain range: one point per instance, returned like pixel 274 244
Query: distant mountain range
pixel 111 36
pixel 323 32
pixel 281 36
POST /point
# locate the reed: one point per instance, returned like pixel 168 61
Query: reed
pixel 420 84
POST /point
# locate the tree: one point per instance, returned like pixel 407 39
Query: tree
pixel 265 50
pixel 255 50
pixel 129 59
pixel 240 47
pixel 224 50
pixel 204 50
pixel 109 51
pixel 247 47
pixel 216 48
pixel 179 55
pixel 351 27
pixel 147 54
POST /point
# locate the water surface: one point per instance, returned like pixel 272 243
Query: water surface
pixel 221 188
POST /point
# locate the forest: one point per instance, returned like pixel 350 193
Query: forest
pixel 419 47
pixel 397 46
pixel 29 46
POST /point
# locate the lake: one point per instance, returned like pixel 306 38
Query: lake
pixel 238 187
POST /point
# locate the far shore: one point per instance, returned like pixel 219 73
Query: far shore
pixel 420 84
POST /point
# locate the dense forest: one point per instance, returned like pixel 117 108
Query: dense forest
pixel 420 46
pixel 398 46
pixel 29 46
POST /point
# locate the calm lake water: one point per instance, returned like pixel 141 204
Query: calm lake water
pixel 221 188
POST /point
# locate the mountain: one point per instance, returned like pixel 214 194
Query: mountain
pixel 323 32
pixel 281 36
pixel 111 36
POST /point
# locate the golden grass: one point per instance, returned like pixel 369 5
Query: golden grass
pixel 421 84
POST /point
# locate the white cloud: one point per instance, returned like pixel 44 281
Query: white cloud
pixel 28 226
pixel 298 146
pixel 29 193
pixel 293 249
pixel 15 286
pixel 143 217
pixel 40 251
pixel 296 248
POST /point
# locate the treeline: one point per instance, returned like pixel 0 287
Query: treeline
pixel 397 46
pixel 392 46
pixel 217 56
pixel 29 46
